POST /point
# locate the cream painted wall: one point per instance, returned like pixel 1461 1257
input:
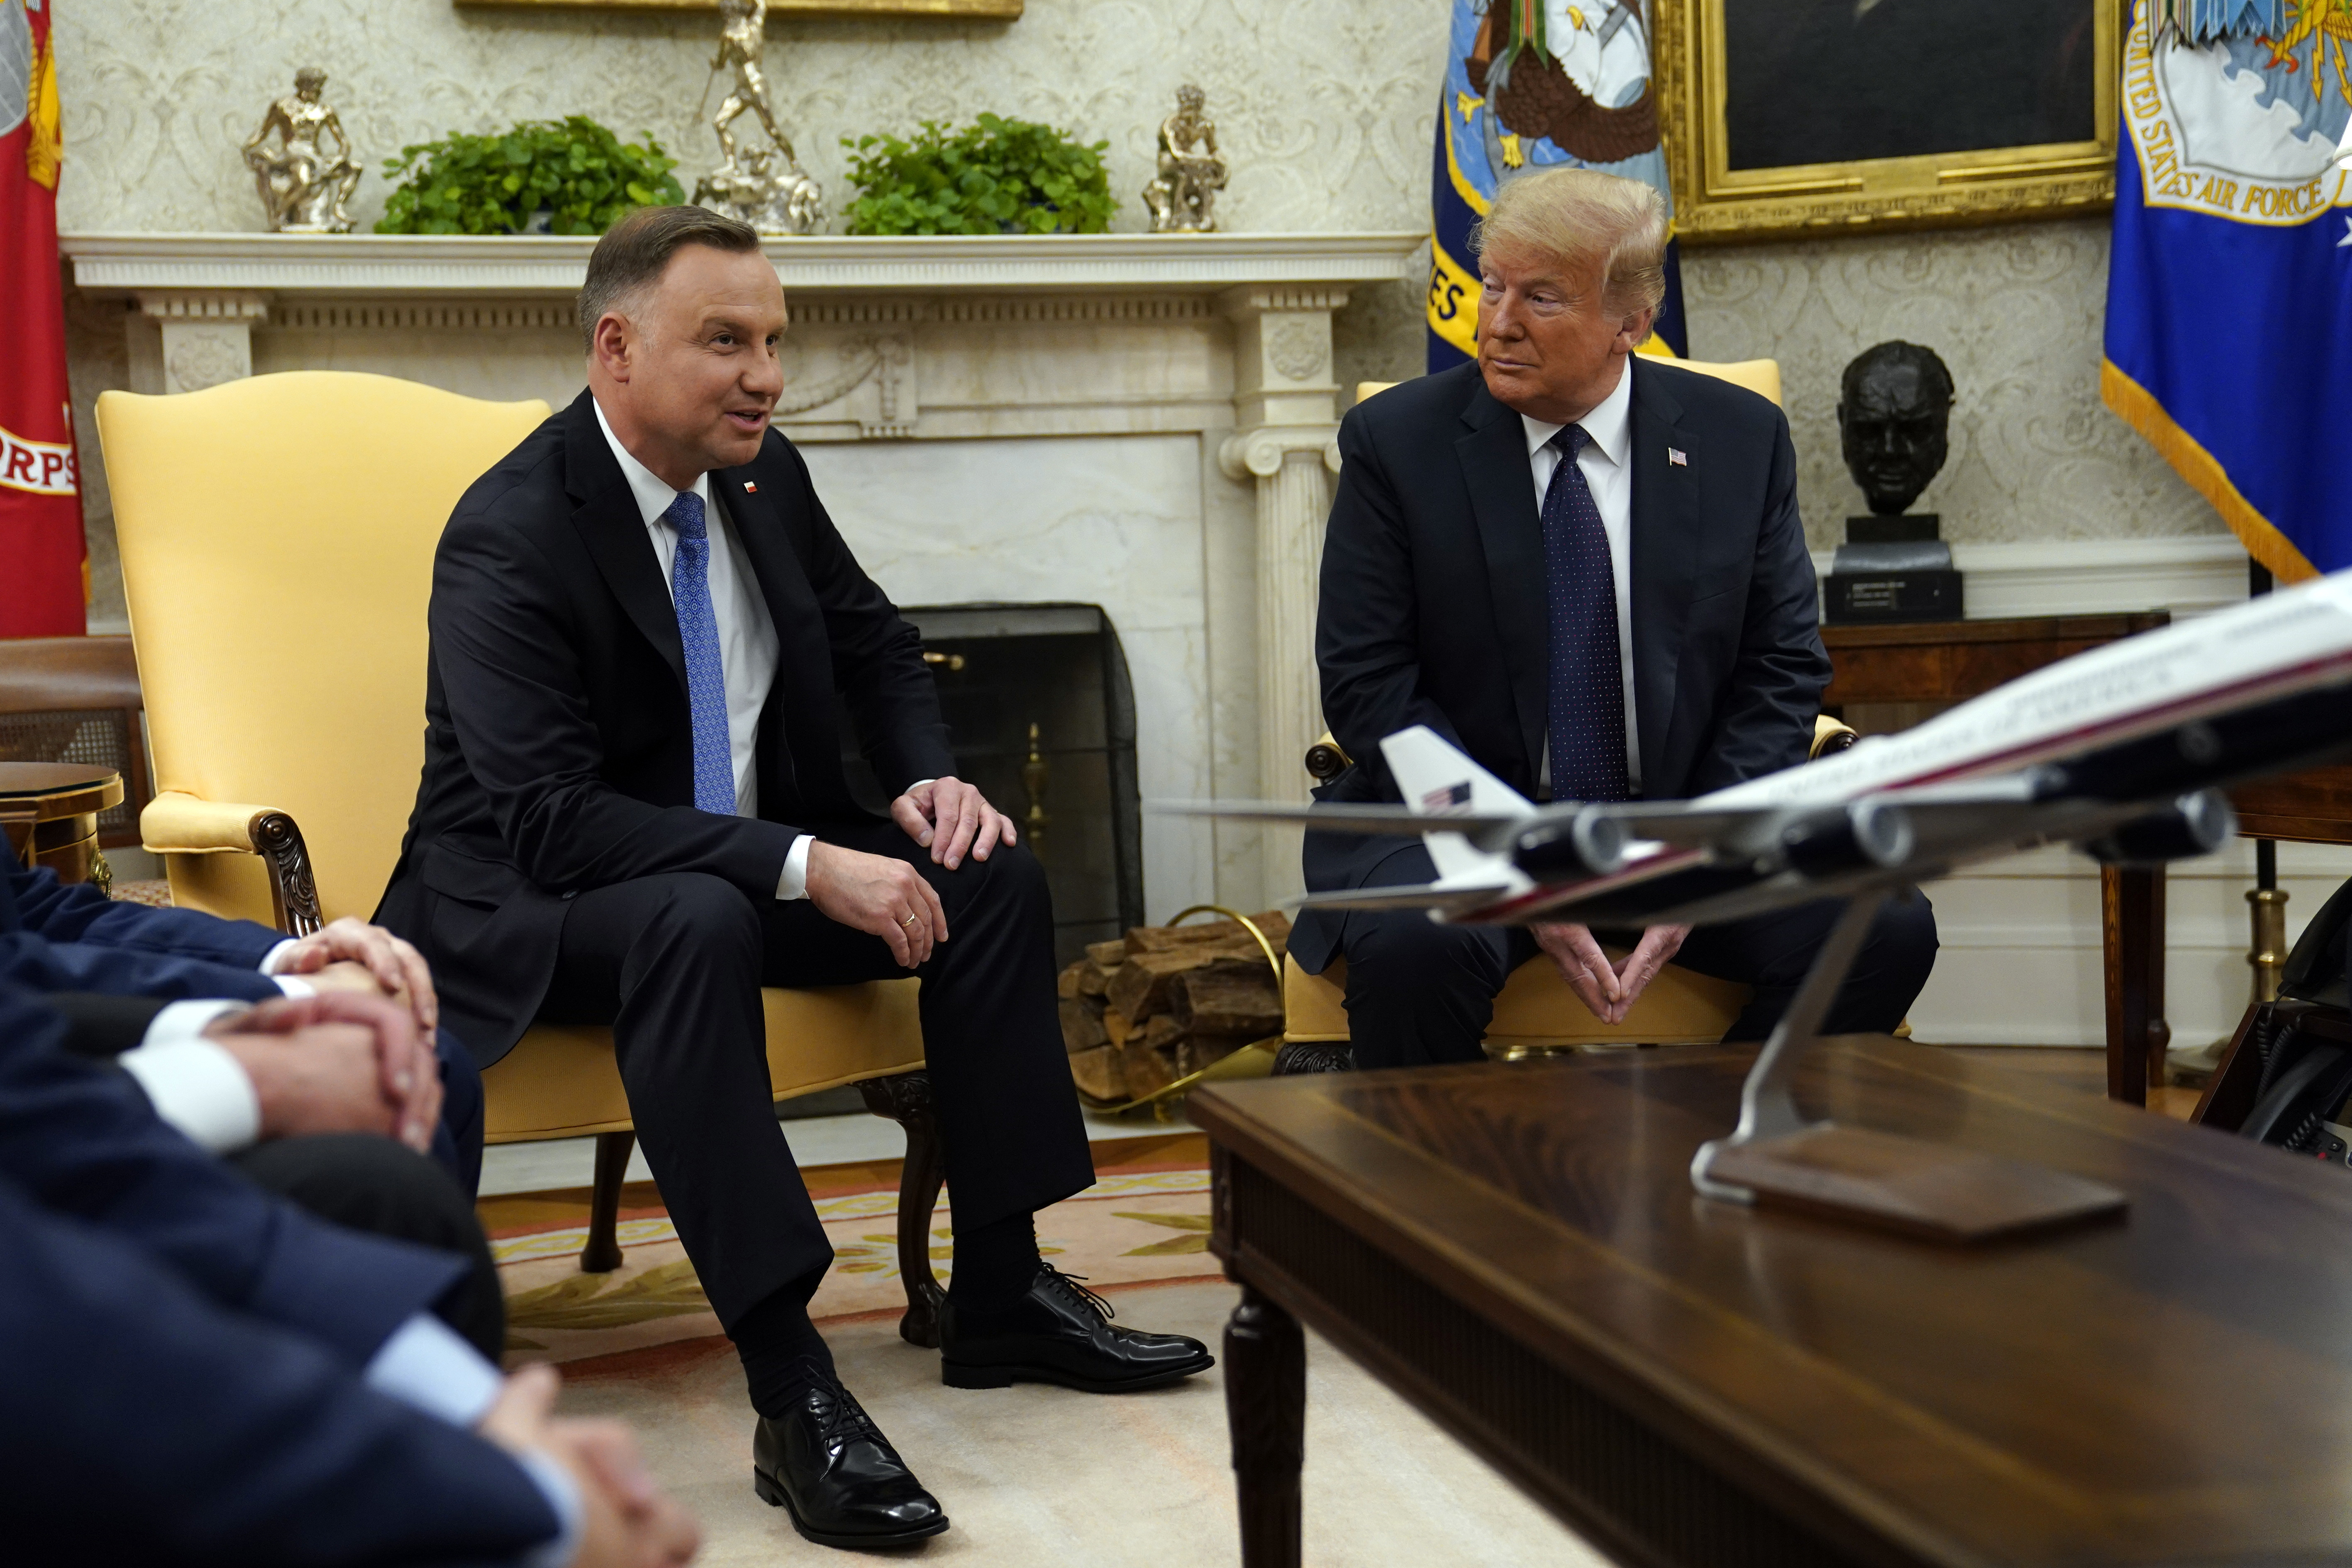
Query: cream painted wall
pixel 1325 110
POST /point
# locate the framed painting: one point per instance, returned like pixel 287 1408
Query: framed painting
pixel 978 10
pixel 1793 117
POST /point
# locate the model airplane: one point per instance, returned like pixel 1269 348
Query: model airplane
pixel 2123 750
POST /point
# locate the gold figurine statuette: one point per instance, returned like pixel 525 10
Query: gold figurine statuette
pixel 765 188
pixel 303 188
pixel 1184 198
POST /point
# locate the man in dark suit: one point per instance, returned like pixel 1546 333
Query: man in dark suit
pixel 152 985
pixel 194 1371
pixel 647 640
pixel 1586 570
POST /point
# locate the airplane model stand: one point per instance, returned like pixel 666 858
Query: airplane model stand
pixel 1777 1159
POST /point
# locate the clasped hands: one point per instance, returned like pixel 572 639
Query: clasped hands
pixel 885 897
pixel 356 1056
pixel 1610 991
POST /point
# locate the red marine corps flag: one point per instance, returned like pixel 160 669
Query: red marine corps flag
pixel 40 493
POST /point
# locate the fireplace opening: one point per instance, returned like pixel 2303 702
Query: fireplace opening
pixel 1041 714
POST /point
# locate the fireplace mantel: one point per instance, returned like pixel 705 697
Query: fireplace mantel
pixel 310 265
pixel 1060 341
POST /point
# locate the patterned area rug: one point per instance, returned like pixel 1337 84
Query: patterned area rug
pixel 1144 1221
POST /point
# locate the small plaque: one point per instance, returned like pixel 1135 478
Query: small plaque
pixel 1862 598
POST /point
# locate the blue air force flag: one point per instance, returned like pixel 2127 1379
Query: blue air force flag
pixel 2228 339
pixel 1530 85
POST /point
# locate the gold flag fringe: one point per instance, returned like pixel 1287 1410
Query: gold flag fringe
pixel 2141 410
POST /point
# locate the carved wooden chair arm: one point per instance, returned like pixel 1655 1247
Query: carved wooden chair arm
pixel 176 823
pixel 1830 735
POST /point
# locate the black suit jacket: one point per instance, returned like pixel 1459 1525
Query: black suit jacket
pixel 559 751
pixel 1432 597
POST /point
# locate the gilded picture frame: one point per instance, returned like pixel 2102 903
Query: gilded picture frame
pixel 1742 172
pixel 969 10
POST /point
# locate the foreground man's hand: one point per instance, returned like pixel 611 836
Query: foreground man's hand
pixel 878 895
pixel 337 1062
pixel 625 1521
pixel 951 817
pixel 397 969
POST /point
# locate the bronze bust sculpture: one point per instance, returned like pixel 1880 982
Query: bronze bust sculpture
pixel 1894 413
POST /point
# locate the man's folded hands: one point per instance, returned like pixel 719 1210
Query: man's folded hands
pixel 339 1061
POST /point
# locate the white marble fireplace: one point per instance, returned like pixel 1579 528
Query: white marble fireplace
pixel 1139 423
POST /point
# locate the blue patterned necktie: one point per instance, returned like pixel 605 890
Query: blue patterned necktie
pixel 1587 709
pixel 706 675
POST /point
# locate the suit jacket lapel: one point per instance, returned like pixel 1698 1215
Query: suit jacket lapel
pixel 615 531
pixel 1494 456
pixel 1666 529
pixel 801 695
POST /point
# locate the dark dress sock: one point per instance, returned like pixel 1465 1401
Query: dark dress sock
pixel 779 1346
pixel 994 1268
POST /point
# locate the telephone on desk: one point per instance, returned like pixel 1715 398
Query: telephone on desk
pixel 2302 1046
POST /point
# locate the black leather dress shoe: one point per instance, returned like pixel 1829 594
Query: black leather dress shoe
pixel 827 1464
pixel 1061 1333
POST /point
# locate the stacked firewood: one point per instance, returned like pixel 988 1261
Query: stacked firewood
pixel 1163 1002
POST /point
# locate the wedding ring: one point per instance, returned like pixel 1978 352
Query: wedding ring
pixel 910 920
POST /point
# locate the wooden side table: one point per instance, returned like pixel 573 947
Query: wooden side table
pixel 50 811
pixel 1890 678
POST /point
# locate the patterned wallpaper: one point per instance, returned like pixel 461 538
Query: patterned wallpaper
pixel 1324 108
pixel 2015 312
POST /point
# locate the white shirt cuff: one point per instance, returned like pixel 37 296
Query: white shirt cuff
pixel 426 1365
pixel 193 1083
pixel 292 985
pixel 793 883
pixel 562 1494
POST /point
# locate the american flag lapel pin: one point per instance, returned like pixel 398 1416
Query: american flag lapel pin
pixel 1678 457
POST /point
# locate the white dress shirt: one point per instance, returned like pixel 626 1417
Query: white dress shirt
pixel 748 647
pixel 1607 465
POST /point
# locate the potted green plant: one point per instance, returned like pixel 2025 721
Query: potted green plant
pixel 997 176
pixel 554 176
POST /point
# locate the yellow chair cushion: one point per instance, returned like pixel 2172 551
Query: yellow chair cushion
pixel 1681 1007
pixel 561 1081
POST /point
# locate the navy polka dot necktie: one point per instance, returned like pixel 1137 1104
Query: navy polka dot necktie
pixel 1587 677
pixel 706 674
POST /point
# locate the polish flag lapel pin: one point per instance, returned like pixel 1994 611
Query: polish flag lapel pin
pixel 750 488
pixel 1678 457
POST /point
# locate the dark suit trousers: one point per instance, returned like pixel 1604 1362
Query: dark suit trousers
pixel 365 1183
pixel 675 962
pixel 1419 991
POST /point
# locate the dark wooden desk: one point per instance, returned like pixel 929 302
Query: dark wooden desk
pixel 2312 807
pixel 1890 678
pixel 1518 1252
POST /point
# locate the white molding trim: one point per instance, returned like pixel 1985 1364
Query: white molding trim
pixel 314 264
pixel 2189 575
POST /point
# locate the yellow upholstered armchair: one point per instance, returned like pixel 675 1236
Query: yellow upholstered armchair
pixel 276 537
